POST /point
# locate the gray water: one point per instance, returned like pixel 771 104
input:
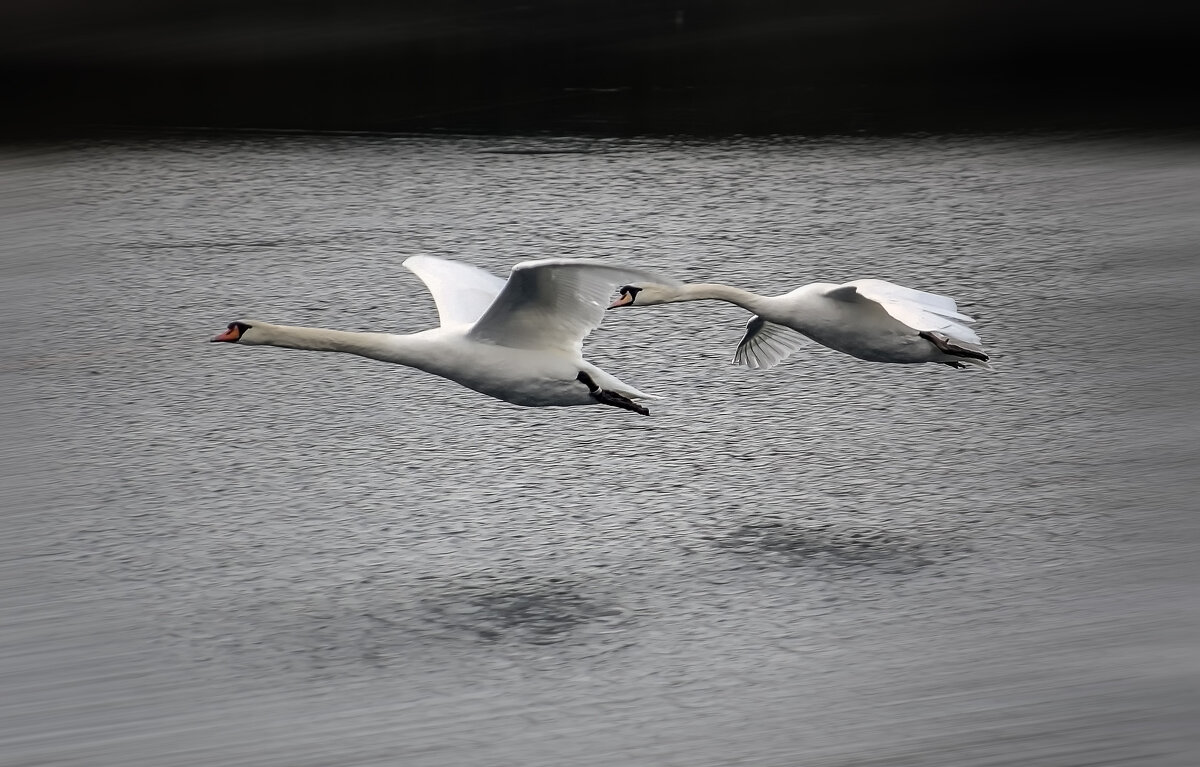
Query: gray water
pixel 213 555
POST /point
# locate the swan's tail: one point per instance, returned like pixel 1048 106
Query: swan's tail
pixel 620 387
pixel 611 383
pixel 962 363
pixel 635 394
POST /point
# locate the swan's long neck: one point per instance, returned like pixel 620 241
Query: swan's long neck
pixel 701 291
pixel 401 349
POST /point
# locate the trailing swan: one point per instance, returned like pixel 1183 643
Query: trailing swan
pixel 873 320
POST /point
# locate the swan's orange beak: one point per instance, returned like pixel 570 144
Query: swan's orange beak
pixel 625 299
pixel 231 335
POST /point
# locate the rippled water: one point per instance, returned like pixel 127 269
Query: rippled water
pixel 220 555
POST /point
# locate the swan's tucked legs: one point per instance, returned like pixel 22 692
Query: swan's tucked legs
pixel 608 397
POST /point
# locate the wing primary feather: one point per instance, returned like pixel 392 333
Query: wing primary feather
pixel 461 292
pixel 766 344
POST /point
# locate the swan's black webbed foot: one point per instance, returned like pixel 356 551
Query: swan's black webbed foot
pixel 608 397
pixel 950 346
pixel 619 400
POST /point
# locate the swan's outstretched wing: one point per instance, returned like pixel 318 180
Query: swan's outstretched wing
pixel 915 308
pixel 553 303
pixel 462 292
pixel 766 344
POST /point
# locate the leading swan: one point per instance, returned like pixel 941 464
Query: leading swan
pixel 873 320
pixel 519 340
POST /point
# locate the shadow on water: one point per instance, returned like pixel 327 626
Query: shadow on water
pixel 346 627
pixel 530 611
pixel 833 545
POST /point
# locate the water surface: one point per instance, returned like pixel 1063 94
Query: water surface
pixel 220 555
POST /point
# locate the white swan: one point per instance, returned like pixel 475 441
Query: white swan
pixel 519 340
pixel 870 319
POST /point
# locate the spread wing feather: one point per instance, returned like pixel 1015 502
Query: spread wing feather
pixel 553 303
pixel 461 292
pixel 766 344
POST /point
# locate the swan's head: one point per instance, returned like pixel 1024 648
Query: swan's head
pixel 234 333
pixel 643 294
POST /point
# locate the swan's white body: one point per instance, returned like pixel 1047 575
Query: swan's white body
pixel 519 340
pixel 873 320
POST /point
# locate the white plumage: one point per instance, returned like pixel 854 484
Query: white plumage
pixel 873 320
pixel 519 340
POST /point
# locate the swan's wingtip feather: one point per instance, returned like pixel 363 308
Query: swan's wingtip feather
pixel 413 263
